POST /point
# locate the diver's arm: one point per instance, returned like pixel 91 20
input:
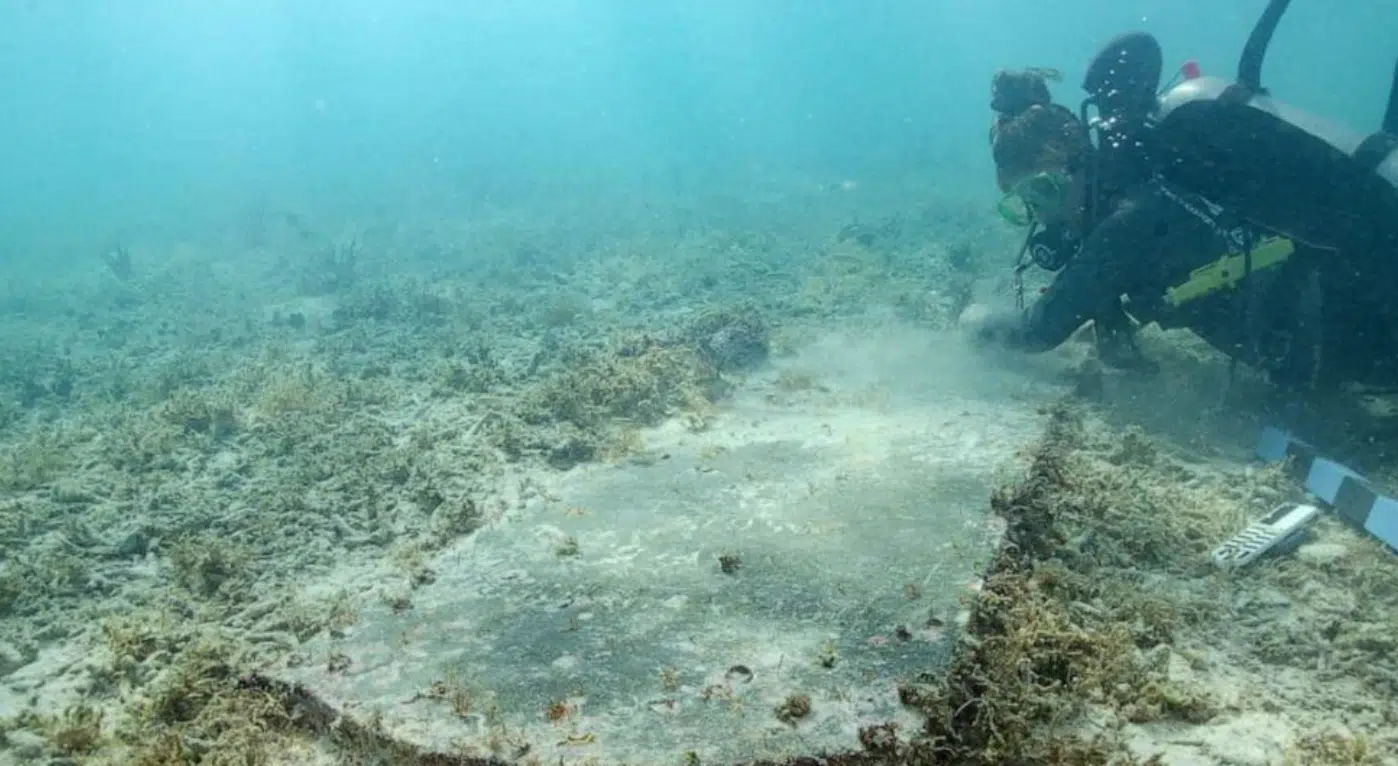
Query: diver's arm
pixel 1090 284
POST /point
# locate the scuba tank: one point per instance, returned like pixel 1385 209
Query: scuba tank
pixel 1267 162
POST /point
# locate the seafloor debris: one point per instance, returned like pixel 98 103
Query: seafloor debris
pixel 731 339
pixel 729 562
pixel 793 709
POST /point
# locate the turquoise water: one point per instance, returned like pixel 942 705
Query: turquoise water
pixel 167 116
pixel 297 296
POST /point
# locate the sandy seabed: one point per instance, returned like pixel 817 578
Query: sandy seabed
pixel 224 453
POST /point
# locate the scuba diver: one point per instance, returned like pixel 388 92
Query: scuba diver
pixel 1267 232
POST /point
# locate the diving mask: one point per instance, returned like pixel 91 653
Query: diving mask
pixel 1033 198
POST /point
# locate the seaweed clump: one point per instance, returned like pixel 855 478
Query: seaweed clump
pixel 643 382
pixel 1038 654
pixel 1332 749
pixel 591 408
pixel 201 709
pixel 196 706
pixel 730 339
pixel 214 414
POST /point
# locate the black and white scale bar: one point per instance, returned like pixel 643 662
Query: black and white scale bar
pixel 1351 495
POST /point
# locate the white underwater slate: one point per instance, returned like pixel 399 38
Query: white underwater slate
pixel 598 624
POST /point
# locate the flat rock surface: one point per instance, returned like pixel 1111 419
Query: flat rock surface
pixel 757 590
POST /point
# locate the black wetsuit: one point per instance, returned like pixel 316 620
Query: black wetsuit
pixel 1302 320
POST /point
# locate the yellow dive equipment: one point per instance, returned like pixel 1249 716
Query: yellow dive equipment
pixel 1228 271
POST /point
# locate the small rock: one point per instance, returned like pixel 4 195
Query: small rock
pixel 70 492
pixel 135 544
pixel 1156 658
pixel 25 744
pixel 1322 553
pixel 11 658
pixel 1179 669
pixel 1272 597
